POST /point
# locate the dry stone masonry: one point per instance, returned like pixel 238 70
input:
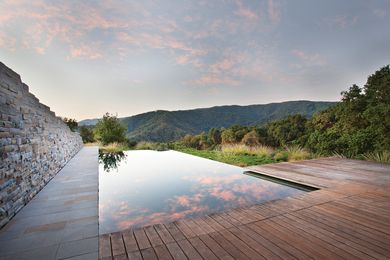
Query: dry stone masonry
pixel 34 144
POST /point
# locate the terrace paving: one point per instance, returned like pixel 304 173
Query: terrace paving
pixel 61 221
pixel 347 218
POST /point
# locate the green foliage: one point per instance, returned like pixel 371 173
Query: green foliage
pixel 86 134
pixel 214 136
pixel 287 131
pixel 109 130
pixel 251 139
pixel 359 124
pixel 71 123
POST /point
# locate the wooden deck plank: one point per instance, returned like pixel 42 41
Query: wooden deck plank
pixel 105 246
pixel 326 250
pixel 326 236
pixel 118 247
pixel 154 238
pixel 134 255
pixel 258 247
pixel 189 250
pixel 340 236
pixel 162 252
pixel 176 251
pixel 227 246
pixel 142 239
pixel 270 235
pixel 164 234
pixel 187 232
pixel 203 250
pixel 148 254
pixel 129 240
pixel 354 230
pixel 174 231
pixel 281 253
pixel 215 247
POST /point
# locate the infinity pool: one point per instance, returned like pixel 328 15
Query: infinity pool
pixel 140 188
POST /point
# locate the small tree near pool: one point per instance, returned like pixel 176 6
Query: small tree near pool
pixel 109 130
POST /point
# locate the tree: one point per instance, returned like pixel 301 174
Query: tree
pixel 360 123
pixel 214 136
pixel 287 131
pixel 71 123
pixel 109 129
pixel 86 134
pixel 251 138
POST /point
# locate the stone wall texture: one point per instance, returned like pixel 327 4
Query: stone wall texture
pixel 34 144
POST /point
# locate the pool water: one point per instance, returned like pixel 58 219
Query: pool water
pixel 138 188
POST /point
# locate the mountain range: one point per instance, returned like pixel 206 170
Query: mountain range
pixel 162 125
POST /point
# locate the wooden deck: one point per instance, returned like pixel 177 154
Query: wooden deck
pixel 348 218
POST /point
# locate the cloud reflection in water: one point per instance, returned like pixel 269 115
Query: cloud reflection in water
pixel 156 187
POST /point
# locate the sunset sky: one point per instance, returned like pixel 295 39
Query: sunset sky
pixel 85 58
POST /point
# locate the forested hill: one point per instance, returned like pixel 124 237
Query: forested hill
pixel 171 125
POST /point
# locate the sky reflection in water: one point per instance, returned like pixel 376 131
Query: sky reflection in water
pixel 151 187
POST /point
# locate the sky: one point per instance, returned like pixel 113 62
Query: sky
pixel 85 58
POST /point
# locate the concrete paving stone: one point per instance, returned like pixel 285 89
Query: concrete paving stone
pixel 78 247
pixel 41 253
pixel 78 233
pixel 30 241
pixel 80 222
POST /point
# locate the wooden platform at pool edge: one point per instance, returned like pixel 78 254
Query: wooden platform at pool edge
pixel 347 218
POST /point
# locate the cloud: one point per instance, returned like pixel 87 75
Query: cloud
pixel 309 59
pixel 85 51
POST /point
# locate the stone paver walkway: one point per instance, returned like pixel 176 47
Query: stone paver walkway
pixel 61 222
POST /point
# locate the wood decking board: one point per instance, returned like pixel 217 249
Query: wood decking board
pixel 347 218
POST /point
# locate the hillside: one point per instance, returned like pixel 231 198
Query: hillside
pixel 170 125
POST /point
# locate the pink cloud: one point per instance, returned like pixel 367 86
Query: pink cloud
pixel 246 12
pixel 309 59
pixel 85 51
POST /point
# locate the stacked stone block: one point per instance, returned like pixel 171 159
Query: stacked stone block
pixel 34 144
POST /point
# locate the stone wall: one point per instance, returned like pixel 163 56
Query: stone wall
pixel 34 144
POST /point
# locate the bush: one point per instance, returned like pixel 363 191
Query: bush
pixel 86 134
pixel 109 129
pixel 251 138
pixel 71 123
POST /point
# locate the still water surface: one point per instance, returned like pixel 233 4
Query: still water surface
pixel 140 188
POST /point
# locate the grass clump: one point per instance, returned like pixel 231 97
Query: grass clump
pixel 297 153
pixel 381 157
pixel 242 149
pixel 114 147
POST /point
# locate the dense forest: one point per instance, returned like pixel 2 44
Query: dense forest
pixel 164 126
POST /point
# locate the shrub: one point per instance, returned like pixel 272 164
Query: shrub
pixel 251 138
pixel 86 134
pixel 109 129
pixel 71 123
